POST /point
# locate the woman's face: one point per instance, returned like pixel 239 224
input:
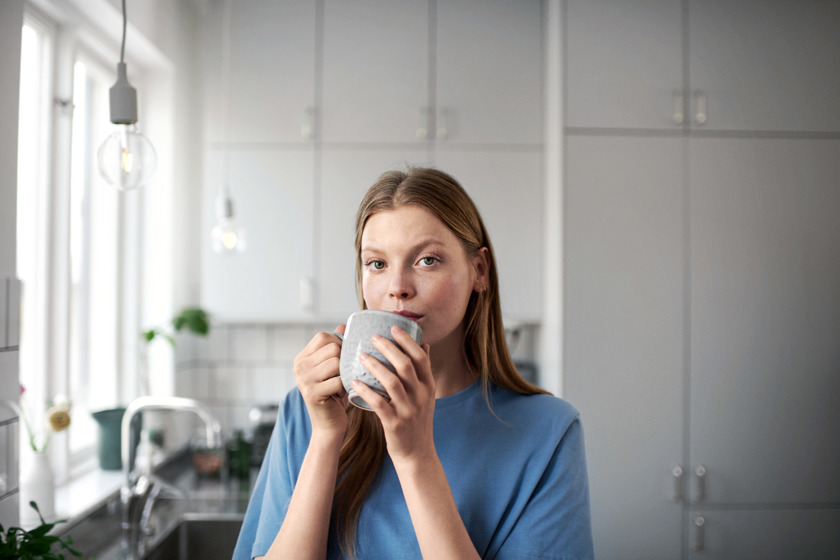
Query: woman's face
pixel 414 265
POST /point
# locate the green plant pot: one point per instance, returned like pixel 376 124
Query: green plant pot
pixel 110 440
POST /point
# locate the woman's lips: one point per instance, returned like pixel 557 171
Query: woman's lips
pixel 413 316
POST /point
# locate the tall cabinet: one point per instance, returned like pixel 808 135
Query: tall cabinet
pixel 702 312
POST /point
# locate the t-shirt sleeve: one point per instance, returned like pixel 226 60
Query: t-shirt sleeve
pixel 271 494
pixel 556 524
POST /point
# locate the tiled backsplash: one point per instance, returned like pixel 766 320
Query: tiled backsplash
pixel 9 392
pixel 239 366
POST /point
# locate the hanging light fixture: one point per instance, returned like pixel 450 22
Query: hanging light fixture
pixel 226 237
pixel 126 158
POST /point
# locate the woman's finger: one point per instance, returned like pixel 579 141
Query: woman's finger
pixel 392 384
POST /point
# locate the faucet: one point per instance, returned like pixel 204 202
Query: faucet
pixel 136 486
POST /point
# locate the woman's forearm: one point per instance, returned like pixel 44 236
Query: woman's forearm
pixel 305 528
pixel 437 523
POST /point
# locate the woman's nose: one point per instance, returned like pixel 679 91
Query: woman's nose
pixel 399 285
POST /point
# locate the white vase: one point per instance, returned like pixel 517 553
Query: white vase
pixel 37 485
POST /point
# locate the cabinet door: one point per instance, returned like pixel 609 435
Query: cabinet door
pixel 271 86
pixel 765 319
pixel 507 188
pixel 489 71
pixel 766 65
pixel 624 63
pixel 769 534
pixel 624 338
pixel 376 68
pixel 273 198
pixel 346 176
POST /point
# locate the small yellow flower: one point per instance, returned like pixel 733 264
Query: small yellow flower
pixel 59 417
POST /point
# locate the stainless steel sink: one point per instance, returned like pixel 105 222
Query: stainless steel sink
pixel 198 536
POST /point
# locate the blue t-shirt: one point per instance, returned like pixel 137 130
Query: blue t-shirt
pixel 518 478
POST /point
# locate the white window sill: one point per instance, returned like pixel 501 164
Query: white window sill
pixel 83 494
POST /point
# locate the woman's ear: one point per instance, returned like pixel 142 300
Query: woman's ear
pixel 481 265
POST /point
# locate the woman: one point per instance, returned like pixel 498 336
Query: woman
pixel 467 459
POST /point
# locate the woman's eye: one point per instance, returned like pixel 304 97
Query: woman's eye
pixel 428 261
pixel 376 265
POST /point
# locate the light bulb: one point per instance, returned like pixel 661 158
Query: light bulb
pixel 226 237
pixel 126 158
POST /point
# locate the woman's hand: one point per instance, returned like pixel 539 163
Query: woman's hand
pixel 317 375
pixel 407 418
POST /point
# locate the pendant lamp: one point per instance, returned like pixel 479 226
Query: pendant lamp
pixel 126 158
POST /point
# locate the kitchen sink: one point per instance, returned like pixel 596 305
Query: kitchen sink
pixel 198 536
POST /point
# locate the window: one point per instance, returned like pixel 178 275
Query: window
pixel 70 238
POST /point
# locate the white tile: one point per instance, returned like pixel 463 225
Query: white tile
pixel 232 384
pixel 286 342
pixel 13 453
pixel 13 323
pixel 271 384
pixel 10 511
pixel 215 346
pixel 249 344
pixel 4 310
pixel 5 460
pixel 195 383
pixel 9 386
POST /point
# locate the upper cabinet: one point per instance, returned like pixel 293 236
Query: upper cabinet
pixel 376 65
pixel 488 72
pixel 710 64
pixel 460 71
pixel 326 96
pixel 270 86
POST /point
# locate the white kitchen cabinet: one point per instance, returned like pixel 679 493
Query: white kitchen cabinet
pixel 624 336
pixel 624 63
pixel 765 66
pixel 765 319
pixel 376 68
pixel 273 195
pixel 271 85
pixel 752 65
pixel 488 72
pixel 463 71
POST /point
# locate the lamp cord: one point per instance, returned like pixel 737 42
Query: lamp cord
pixel 122 47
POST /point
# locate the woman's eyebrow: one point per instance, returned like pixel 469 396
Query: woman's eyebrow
pixel 416 247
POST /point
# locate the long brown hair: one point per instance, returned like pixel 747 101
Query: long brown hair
pixel 485 346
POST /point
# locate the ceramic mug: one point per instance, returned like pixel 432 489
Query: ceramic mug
pixel 361 326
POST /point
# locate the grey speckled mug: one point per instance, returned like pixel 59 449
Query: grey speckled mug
pixel 361 326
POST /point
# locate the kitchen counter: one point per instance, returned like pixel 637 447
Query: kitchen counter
pixel 97 535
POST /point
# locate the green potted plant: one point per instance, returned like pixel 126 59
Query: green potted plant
pixel 36 544
pixel 193 319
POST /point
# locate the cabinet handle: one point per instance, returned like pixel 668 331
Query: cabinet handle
pixel 423 124
pixel 679 102
pixel 307 124
pixel 700 493
pixel 307 294
pixel 677 474
pixel 700 104
pixel 443 124
pixel 699 534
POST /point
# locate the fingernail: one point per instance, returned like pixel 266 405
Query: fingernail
pixel 376 337
pixel 363 356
